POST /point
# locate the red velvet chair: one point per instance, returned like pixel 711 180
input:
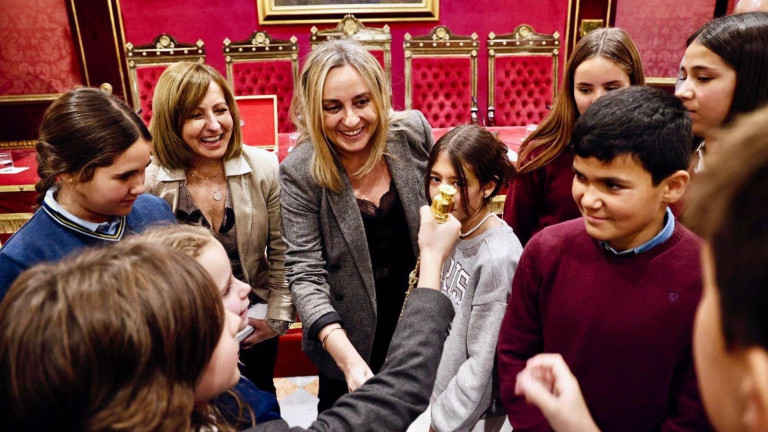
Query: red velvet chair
pixel 441 76
pixel 376 40
pixel 147 62
pixel 522 76
pixel 261 65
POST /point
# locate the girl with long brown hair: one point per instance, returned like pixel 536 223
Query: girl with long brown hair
pixel 602 61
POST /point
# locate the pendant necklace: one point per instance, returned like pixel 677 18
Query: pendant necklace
pixel 217 196
pixel 474 228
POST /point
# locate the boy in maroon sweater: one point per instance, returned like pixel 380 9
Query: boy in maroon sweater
pixel 727 207
pixel 615 292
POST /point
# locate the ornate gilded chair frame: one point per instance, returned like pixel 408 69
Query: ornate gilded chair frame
pixel 261 47
pixel 523 41
pixel 163 51
pixel 441 42
pixel 371 38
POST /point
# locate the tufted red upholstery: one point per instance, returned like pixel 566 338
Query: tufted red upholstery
pixel 265 78
pixel 442 90
pixel 523 89
pixel 147 79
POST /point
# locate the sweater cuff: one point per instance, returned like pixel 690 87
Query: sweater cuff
pixel 329 318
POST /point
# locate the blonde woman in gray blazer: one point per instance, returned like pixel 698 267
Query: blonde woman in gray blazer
pixel 351 192
pixel 208 177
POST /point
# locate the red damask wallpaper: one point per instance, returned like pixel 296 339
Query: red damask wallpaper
pixel 660 29
pixel 214 20
pixel 37 55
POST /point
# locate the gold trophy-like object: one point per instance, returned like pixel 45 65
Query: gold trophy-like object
pixel 442 206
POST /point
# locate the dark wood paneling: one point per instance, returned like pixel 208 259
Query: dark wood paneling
pixel 21 120
pixel 98 36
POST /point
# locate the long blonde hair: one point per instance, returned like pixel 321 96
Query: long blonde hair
pixel 307 107
pixel 554 133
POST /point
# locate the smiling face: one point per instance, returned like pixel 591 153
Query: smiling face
pixel 221 372
pixel 595 77
pixel 112 190
pixel 208 129
pixel 349 115
pixel 706 88
pixel 618 201
pixel 234 293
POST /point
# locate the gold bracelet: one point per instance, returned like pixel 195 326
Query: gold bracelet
pixel 325 338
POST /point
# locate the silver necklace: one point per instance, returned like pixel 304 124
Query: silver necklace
pixel 217 196
pixel 474 228
pixel 199 177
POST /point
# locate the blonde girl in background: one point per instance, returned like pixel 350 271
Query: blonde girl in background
pixel 477 277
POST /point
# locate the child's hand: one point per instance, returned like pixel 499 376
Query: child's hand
pixel 548 383
pixel 261 332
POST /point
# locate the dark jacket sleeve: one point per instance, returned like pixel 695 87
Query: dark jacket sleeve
pixel 391 400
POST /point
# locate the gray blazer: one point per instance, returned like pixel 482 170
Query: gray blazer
pixel 328 266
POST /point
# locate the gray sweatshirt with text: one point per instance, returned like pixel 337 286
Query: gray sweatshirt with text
pixel 478 279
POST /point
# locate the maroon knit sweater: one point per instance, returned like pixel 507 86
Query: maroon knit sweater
pixel 541 198
pixel 622 323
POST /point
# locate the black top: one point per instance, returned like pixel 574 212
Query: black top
pixel 392 260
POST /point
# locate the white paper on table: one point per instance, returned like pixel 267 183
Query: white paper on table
pixel 13 170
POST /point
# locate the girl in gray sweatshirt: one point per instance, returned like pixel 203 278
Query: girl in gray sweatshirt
pixel 477 277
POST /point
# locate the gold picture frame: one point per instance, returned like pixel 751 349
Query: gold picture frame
pixel 327 11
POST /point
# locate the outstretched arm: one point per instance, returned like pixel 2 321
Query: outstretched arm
pixel 548 383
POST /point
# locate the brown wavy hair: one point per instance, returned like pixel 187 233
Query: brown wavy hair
pixel 82 130
pixel 111 339
pixel 178 92
pixel 473 148
pixel 554 133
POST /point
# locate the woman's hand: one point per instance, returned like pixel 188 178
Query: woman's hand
pixel 356 374
pixel 261 332
pixel 548 383
pixel 335 341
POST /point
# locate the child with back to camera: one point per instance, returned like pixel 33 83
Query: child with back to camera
pixel 615 292
pixel 131 337
pixel 92 151
pixel 604 60
pixel 477 277
pixel 136 338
